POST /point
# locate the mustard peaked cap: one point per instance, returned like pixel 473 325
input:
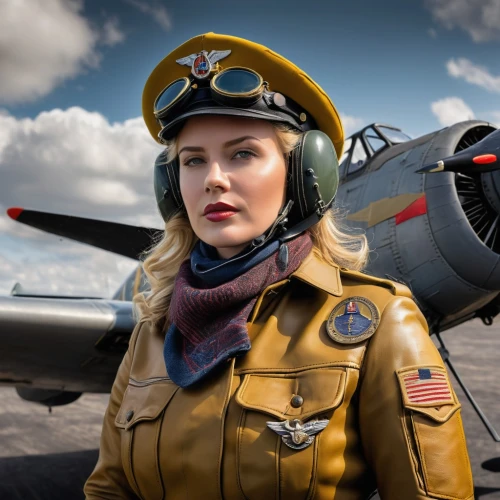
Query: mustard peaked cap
pixel 283 76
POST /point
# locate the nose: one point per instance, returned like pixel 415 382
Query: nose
pixel 216 178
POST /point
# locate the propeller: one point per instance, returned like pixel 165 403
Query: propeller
pixel 122 239
pixel 484 156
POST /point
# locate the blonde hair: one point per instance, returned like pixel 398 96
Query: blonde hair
pixel 331 241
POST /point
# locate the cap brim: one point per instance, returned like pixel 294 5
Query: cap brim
pixel 175 125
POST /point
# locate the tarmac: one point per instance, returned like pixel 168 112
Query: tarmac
pixel 49 455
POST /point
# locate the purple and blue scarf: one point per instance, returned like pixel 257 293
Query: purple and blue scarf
pixel 211 303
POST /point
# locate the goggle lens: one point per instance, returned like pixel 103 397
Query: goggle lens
pixel 170 94
pixel 237 81
pixel 234 86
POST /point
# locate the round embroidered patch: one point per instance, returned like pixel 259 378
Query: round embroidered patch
pixel 353 320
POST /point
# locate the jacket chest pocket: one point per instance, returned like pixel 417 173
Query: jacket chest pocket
pixel 281 424
pixel 140 418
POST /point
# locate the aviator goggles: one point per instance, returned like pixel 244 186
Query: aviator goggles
pixel 235 87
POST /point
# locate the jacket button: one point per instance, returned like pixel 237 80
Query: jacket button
pixel 129 415
pixel 297 401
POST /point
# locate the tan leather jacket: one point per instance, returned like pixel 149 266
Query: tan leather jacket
pixel 212 441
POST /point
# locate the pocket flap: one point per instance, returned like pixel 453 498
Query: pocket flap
pixel 312 391
pixel 439 413
pixel 143 402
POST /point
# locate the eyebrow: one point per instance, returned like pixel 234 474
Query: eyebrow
pixel 238 140
pixel 228 144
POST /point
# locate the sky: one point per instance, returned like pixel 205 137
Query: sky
pixel 72 138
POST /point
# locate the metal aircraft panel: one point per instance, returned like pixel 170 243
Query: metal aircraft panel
pixel 433 249
pixel 66 344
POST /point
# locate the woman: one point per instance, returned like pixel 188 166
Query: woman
pixel 261 366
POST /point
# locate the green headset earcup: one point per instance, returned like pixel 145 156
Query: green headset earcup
pixel 166 186
pixel 314 169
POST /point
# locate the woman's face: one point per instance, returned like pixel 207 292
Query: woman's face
pixel 232 179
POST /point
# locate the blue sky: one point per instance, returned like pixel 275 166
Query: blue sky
pixel 72 73
pixel 379 61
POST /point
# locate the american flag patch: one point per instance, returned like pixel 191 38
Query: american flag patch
pixel 425 386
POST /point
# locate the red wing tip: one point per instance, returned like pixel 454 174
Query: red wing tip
pixel 14 212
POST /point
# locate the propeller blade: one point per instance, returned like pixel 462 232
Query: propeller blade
pixel 484 156
pixel 122 239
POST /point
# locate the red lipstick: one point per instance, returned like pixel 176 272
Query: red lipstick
pixel 216 212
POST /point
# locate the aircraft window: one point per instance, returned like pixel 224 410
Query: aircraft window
pixel 374 140
pixel 347 148
pixel 358 157
pixel 345 155
pixel 395 136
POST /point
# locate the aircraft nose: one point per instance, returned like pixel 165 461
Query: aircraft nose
pixel 483 156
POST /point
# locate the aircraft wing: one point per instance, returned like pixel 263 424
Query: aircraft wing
pixel 122 239
pixel 63 344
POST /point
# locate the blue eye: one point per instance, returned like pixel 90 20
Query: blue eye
pixel 244 154
pixel 193 161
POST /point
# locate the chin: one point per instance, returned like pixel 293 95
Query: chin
pixel 227 238
pixel 226 242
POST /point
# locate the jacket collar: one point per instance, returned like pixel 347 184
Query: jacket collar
pixel 314 271
pixel 320 274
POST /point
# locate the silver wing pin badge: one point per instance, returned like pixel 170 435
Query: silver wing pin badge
pixel 203 62
pixel 297 435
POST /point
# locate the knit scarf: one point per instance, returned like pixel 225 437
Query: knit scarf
pixel 209 323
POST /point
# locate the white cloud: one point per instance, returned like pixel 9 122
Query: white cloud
pixel 74 162
pixel 474 74
pixel 111 33
pixel 63 158
pixel 351 123
pixel 495 117
pixel 107 192
pixel 157 12
pixel 451 110
pixel 42 43
pixel 432 32
pixel 62 267
pixel 46 42
pixel 479 18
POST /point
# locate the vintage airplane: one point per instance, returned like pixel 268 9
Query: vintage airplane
pixel 431 211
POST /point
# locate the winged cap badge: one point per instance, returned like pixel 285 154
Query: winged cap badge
pixel 203 62
pixel 297 435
